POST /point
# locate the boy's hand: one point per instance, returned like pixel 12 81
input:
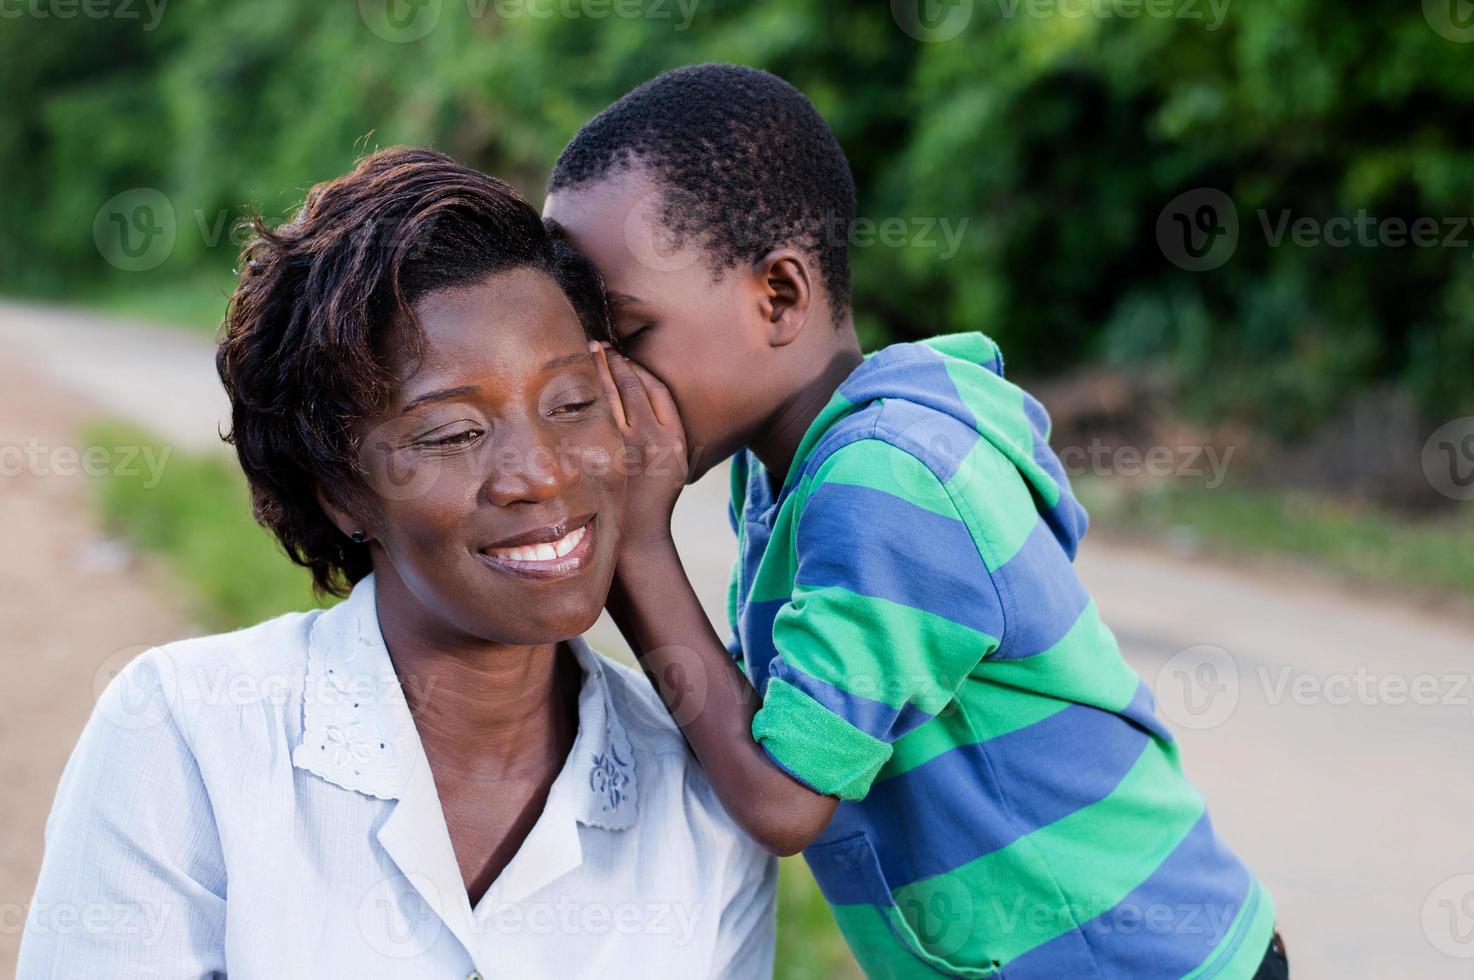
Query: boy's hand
pixel 647 418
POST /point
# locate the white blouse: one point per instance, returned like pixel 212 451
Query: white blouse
pixel 258 804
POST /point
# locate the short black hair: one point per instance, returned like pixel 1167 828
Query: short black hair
pixel 747 163
pixel 303 355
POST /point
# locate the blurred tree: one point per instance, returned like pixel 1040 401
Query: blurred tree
pixel 1048 144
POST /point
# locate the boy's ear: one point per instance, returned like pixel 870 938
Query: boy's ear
pixel 786 294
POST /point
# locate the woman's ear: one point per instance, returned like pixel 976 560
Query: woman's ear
pixel 344 521
pixel 786 294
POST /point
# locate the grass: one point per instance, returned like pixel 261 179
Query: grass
pixel 1434 554
pixel 197 520
pixel 195 303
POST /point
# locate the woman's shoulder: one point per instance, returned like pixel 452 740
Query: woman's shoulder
pixel 232 665
pixel 224 687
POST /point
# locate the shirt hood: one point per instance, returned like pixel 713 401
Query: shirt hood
pixel 961 376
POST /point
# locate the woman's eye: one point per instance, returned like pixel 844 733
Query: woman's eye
pixel 573 408
pixel 630 337
pixel 454 439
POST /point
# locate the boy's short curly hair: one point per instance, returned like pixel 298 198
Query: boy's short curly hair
pixel 303 353
pixel 745 160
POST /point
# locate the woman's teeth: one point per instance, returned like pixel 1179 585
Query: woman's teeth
pixel 542 552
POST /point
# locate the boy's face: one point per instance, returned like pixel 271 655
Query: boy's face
pixel 698 331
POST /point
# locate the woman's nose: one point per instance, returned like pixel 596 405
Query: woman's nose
pixel 532 470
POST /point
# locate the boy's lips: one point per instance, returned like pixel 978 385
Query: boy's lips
pixel 540 555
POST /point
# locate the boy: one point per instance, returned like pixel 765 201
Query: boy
pixel 937 715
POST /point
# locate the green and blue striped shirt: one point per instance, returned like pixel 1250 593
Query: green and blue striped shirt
pixel 908 608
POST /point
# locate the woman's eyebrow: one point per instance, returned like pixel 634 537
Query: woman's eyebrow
pixel 440 394
pixel 620 299
pixel 567 359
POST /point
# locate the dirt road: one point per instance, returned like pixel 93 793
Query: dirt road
pixel 1330 731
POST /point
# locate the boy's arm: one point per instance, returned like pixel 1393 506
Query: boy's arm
pixel 658 612
pixel 711 699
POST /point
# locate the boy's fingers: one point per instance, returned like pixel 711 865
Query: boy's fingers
pixel 661 401
pixel 611 389
pixel 632 392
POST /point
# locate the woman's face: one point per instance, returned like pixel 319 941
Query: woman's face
pixel 496 473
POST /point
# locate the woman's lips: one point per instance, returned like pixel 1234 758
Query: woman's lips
pixel 557 559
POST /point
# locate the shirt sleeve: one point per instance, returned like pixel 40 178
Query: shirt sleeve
pixel 892 607
pixel 738 478
pixel 132 882
pixel 733 643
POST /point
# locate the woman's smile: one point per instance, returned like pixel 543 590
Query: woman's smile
pixel 557 551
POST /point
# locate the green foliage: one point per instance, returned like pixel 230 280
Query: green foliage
pixel 1057 138
pixel 198 519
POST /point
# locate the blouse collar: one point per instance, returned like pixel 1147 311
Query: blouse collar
pixel 358 731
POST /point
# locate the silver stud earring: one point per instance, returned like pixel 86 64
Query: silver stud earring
pixel 358 537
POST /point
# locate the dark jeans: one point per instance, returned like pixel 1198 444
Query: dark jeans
pixel 1276 965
